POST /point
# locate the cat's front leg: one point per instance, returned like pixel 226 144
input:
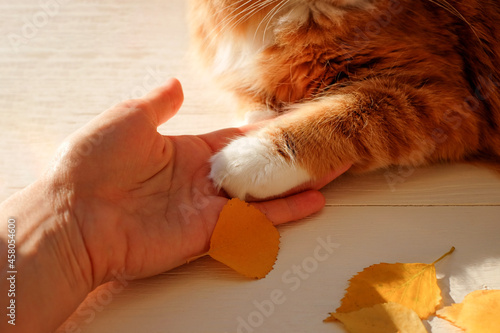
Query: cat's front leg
pixel 269 162
pixel 370 126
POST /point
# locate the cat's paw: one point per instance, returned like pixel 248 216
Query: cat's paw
pixel 252 168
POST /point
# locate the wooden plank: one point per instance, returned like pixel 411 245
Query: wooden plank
pixel 205 296
pixel 446 184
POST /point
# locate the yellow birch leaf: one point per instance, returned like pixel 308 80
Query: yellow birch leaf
pixel 245 240
pixel 382 318
pixel 412 285
pixel 479 312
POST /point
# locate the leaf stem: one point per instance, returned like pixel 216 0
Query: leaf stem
pixel 444 255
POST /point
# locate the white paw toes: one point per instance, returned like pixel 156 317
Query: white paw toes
pixel 251 167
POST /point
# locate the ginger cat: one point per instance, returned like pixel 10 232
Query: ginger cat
pixel 374 83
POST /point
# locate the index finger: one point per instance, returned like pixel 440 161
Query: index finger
pixel 219 139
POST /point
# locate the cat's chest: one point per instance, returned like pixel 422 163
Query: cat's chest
pixel 289 75
pixel 281 74
pixel 298 60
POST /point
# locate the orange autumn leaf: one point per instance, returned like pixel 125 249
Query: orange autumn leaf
pixel 245 240
pixel 412 285
pixel 479 312
pixel 382 318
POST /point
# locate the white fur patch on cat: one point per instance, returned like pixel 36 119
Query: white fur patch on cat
pixel 250 167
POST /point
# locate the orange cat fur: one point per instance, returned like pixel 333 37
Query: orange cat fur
pixel 374 83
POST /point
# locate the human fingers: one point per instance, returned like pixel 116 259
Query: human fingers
pixel 292 208
pixel 165 100
pixel 318 183
pixel 219 139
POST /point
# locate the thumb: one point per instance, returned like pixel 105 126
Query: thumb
pixel 165 100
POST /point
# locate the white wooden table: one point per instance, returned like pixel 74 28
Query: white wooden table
pixel 64 61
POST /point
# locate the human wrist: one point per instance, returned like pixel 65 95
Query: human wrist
pixel 51 264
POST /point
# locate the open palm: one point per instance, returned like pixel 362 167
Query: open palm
pixel 143 201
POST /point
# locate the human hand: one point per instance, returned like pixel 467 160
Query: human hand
pixel 120 198
pixel 143 201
